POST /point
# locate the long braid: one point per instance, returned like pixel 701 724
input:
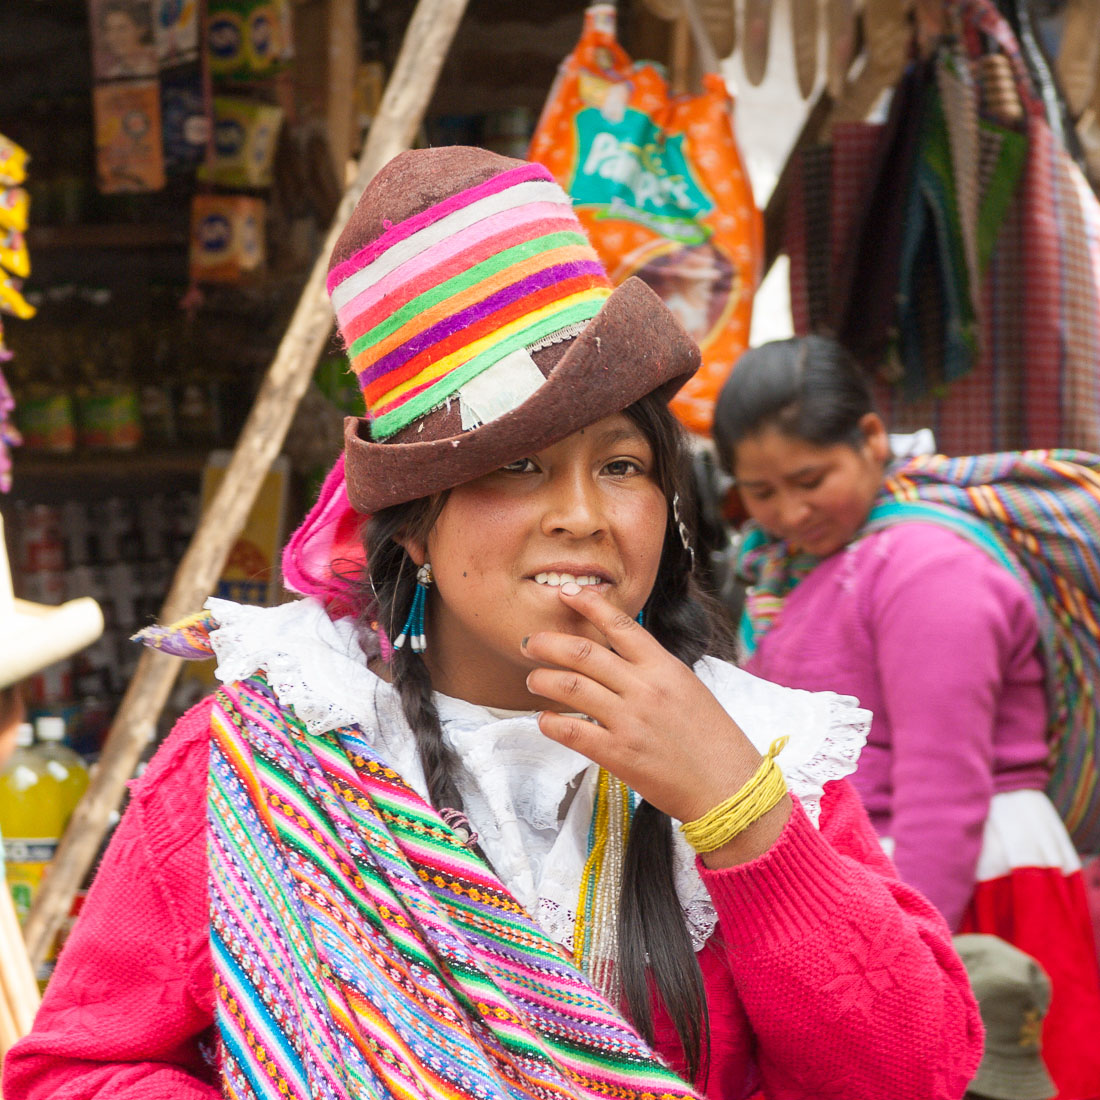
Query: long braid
pixel 390 582
pixel 414 685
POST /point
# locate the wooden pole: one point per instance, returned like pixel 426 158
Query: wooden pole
pixel 410 87
pixel 704 47
pixel 19 996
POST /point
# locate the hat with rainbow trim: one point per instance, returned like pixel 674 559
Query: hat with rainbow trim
pixel 481 324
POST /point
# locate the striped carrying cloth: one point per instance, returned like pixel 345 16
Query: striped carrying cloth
pixel 441 297
pixel 361 951
pixel 1037 513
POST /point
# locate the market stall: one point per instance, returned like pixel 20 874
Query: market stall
pixel 203 314
pixel 863 58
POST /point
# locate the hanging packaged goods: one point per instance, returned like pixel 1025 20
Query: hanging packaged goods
pixel 658 183
pixel 249 38
pixel 15 265
pixel 129 149
pixel 227 237
pixel 245 133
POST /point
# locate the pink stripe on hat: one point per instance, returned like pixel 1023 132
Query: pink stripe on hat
pixel 399 232
pixel 445 261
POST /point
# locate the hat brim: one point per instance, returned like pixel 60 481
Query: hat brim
pixel 1008 1077
pixel 38 636
pixel 633 347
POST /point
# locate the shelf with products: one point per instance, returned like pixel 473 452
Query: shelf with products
pixel 117 235
pixel 118 542
pixel 135 467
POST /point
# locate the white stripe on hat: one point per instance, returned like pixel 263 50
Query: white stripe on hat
pixel 521 194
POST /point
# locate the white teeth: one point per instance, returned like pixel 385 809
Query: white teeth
pixel 555 580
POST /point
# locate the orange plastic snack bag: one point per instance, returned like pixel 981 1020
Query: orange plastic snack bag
pixel 658 183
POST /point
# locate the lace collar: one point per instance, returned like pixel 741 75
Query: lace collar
pixel 529 799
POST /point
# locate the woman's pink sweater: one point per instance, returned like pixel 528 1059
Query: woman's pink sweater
pixel 827 976
pixel 941 644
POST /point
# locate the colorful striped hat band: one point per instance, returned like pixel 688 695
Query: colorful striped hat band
pixel 449 304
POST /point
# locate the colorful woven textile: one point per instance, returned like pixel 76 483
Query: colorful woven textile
pixel 189 637
pixel 361 951
pixel 440 298
pixel 1037 513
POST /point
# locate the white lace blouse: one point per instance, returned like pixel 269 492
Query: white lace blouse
pixel 514 781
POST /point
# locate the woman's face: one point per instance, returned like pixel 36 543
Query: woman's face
pixel 814 497
pixel 588 508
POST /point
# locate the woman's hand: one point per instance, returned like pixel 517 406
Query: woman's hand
pixel 650 720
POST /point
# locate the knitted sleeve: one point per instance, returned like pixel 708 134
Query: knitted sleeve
pixel 951 628
pixel 846 975
pixel 128 1012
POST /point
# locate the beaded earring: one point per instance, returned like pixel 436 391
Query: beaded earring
pixel 413 630
pixel 681 528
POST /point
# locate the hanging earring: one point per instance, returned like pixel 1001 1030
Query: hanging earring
pixel 681 527
pixel 413 630
pixel 641 617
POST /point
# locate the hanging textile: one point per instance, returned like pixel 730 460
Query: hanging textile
pixel 361 949
pixel 953 250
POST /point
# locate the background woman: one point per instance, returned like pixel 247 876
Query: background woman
pixel 939 641
pixel 444 866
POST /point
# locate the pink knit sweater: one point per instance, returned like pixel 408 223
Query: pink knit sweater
pixel 941 644
pixel 827 976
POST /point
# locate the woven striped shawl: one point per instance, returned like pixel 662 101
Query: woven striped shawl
pixel 361 951
pixel 1037 513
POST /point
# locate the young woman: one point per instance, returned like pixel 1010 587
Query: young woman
pixel 441 854
pixel 938 640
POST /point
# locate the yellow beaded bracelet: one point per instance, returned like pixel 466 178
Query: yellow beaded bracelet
pixel 721 824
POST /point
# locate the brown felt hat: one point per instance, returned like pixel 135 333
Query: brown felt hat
pixel 481 324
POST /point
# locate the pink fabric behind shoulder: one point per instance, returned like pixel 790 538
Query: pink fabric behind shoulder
pixel 325 555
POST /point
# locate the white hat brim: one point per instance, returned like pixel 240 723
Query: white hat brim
pixel 36 636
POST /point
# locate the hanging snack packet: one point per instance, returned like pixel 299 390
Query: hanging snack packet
pixel 11 301
pixel 13 253
pixel 13 162
pixel 659 185
pixel 15 205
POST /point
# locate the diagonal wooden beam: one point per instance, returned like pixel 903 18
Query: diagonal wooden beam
pixel 427 42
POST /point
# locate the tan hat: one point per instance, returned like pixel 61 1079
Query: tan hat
pixel 1013 995
pixel 34 636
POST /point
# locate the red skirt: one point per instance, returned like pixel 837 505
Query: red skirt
pixel 1031 892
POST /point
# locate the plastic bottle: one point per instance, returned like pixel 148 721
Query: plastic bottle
pixel 66 766
pixel 30 819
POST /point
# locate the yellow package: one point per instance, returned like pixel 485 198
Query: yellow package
pixel 14 256
pixel 245 135
pixel 227 237
pixel 13 162
pixel 15 205
pixel 658 184
pixel 11 301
